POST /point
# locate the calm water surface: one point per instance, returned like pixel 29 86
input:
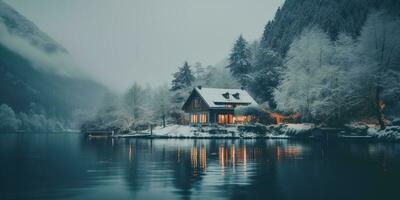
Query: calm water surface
pixel 69 166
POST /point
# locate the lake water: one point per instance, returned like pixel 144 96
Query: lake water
pixel 69 166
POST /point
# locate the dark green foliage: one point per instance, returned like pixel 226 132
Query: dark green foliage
pixel 265 77
pixel 253 128
pixel 183 78
pixel 239 61
pixel 332 16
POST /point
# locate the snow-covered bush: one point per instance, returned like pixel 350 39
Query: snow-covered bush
pixel 395 122
pixel 297 130
pixel 8 119
pixel 390 133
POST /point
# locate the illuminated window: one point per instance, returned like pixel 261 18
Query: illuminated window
pixel 230 119
pixel 221 119
pixel 242 119
pixel 194 119
pixel 203 118
pixel 225 119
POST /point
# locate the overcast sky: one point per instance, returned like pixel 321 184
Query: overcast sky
pixel 123 41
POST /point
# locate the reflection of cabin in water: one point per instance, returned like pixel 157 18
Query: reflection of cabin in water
pixel 216 105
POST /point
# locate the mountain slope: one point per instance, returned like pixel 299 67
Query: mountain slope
pixel 20 26
pixel 35 69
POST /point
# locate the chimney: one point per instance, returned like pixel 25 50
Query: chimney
pixel 199 87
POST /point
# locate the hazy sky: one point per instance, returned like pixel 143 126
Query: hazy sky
pixel 123 41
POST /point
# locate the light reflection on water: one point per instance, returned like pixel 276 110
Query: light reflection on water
pixel 68 166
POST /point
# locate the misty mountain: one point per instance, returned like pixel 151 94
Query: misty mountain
pixel 332 16
pixel 36 70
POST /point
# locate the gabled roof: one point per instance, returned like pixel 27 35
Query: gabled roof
pixel 213 96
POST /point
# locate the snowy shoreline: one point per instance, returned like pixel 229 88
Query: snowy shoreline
pixel 283 131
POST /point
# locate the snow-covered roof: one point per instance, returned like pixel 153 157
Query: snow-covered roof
pixel 213 96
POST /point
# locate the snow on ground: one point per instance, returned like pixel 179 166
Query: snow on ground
pixel 238 131
pixel 185 131
pixel 174 131
pixel 281 131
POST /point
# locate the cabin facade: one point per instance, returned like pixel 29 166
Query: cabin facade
pixel 217 106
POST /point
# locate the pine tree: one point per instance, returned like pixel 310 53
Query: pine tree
pixel 266 75
pixel 240 61
pixel 183 78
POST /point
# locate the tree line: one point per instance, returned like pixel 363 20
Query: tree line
pixel 327 80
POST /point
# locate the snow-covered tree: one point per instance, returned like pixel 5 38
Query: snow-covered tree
pixel 199 70
pixel 333 80
pixel 135 99
pixel 240 61
pixel 220 78
pixel 317 82
pixel 8 119
pixel 379 50
pixel 110 116
pixel 183 78
pixel 161 102
pixel 300 86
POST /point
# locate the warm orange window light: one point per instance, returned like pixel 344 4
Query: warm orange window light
pixel 195 118
pixel 203 118
pixel 279 118
pixel 225 119
pixel 242 119
pixel 221 119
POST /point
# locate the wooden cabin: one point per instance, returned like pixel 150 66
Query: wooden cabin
pixel 217 106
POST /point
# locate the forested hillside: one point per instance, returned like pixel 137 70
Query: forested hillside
pixel 330 61
pixel 332 16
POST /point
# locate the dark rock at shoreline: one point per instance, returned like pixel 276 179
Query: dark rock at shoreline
pixel 356 129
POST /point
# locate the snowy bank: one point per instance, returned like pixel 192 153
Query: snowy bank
pixel 390 133
pixel 297 130
pixel 281 131
pixel 235 131
pixel 184 131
